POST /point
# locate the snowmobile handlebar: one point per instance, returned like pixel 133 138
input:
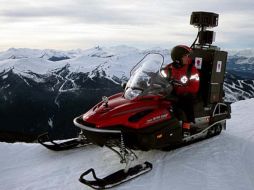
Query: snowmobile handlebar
pixel 176 82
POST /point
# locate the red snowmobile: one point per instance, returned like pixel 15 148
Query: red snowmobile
pixel 143 117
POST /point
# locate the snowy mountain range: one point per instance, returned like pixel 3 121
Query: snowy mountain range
pixel 241 63
pixel 42 90
pixel 222 162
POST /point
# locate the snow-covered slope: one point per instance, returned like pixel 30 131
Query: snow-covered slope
pixel 111 62
pixel 247 56
pixel 21 53
pixel 223 162
pixel 237 88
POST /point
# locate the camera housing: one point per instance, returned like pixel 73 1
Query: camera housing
pixel 204 20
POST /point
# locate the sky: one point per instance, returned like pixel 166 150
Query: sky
pixel 72 24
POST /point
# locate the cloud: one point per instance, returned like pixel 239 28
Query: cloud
pixel 146 22
pixel 89 11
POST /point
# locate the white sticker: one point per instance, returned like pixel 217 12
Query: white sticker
pixel 198 62
pixel 218 68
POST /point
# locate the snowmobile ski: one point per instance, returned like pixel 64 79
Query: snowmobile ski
pixel 116 178
pixel 64 145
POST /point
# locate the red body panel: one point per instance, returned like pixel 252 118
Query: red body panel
pixel 119 110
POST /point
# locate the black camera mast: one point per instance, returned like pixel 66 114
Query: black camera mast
pixel 204 20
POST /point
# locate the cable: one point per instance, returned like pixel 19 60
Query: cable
pixel 192 45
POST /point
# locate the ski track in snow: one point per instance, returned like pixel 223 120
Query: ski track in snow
pixel 223 162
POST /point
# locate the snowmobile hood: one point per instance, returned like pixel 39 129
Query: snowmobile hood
pixel 119 110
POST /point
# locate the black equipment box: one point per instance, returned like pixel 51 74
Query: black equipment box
pixel 211 65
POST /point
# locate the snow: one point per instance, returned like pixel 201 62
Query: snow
pixel 223 162
pixel 5 76
pixel 248 52
pixel 244 56
pixel 21 53
pixel 20 66
pixel 116 61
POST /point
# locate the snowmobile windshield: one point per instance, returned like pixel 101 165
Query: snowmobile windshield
pixel 146 79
